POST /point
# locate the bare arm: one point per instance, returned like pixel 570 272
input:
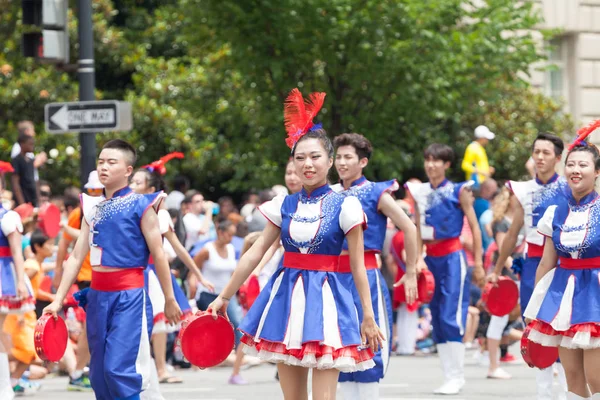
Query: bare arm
pixel 16 187
pixel 548 261
pixel 183 254
pixel 466 203
pixel 72 266
pixel 73 232
pixel 61 254
pixel 201 257
pixel 510 239
pixel 15 243
pixel 389 208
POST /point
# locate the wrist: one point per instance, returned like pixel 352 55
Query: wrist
pixel 170 298
pixel 224 298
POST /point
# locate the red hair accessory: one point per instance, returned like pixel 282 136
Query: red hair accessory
pixel 585 132
pixel 159 165
pixel 298 114
pixel 6 167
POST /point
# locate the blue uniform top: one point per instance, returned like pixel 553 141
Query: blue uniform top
pixel 369 194
pixel 116 238
pixel 573 225
pixel 314 223
pixel 441 214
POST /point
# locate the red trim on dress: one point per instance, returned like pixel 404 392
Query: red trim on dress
pixel 579 263
pixel 370 262
pixel 311 262
pixel 125 279
pixel 5 251
pixel 443 247
pixel 534 250
pixel 589 327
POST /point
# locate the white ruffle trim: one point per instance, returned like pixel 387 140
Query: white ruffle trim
pixel 24 308
pixel 163 327
pixel 581 340
pixel 343 364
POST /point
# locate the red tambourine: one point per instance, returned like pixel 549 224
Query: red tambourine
pixel 425 288
pixel 248 292
pixel 206 342
pixel 535 354
pixel 24 210
pixel 501 299
pixel 50 338
pixel 49 220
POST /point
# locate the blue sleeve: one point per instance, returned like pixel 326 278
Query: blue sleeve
pixel 386 186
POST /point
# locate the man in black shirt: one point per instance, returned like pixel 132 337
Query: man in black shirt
pixel 23 179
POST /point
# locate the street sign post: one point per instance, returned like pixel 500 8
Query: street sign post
pixel 88 116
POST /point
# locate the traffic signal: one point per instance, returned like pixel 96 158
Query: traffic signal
pixel 51 41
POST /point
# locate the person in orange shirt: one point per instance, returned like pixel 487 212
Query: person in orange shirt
pixel 78 381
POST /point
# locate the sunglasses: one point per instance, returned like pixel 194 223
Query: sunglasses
pixel 45 194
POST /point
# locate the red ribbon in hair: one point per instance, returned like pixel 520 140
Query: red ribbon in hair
pixel 159 165
pixel 298 114
pixel 584 133
pixel 6 167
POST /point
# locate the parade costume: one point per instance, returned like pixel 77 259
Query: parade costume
pixel 565 303
pixel 441 220
pixel 307 292
pixel 117 301
pixel 369 194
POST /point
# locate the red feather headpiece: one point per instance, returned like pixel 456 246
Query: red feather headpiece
pixel 585 132
pixel 6 167
pixel 159 165
pixel 298 114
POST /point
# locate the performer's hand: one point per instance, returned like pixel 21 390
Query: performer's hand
pixel 410 287
pixel 479 275
pixel 172 311
pixel 219 305
pixel 22 291
pixel 53 309
pixel 207 284
pixel 421 265
pixel 492 278
pixel 370 334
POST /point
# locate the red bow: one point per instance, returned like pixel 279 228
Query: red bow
pixel 159 165
pixel 585 132
pixel 298 114
pixel 6 167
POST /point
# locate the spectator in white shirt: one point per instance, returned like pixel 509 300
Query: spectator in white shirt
pixel 198 221
pixel 181 184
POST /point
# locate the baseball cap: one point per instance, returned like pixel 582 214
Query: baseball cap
pixel 483 132
pixel 93 181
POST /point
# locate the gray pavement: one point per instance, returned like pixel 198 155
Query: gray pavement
pixel 408 378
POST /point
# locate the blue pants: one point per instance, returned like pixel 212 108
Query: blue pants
pixel 530 265
pixel 118 336
pixel 382 307
pixel 450 302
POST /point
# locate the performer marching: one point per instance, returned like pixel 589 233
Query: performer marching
pixel 121 230
pixel 440 209
pixel 352 156
pixel 530 201
pixel 323 330
pixel 16 296
pixel 565 304
pixel 147 180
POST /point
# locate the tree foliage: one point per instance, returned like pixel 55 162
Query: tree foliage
pixel 208 78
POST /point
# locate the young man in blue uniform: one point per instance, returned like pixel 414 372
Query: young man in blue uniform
pixel 120 230
pixel 530 201
pixel 441 207
pixel 352 156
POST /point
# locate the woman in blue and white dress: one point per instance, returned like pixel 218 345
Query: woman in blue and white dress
pixel 565 305
pixel 305 316
pixel 15 290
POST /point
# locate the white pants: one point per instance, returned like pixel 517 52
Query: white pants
pixel 496 327
pixel 407 324
pixel 359 391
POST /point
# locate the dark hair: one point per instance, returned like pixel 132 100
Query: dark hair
pixel 361 144
pixel 265 195
pixel 189 195
pixel 439 151
pixel 37 238
pixel 181 183
pixel 588 148
pixel 43 183
pixel 559 146
pixel 319 134
pixel 153 179
pixel 24 138
pixel 173 212
pixel 223 225
pixel 71 201
pixel 125 147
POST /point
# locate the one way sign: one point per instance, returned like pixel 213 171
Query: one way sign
pixel 88 116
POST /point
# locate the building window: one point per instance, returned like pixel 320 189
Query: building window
pixel 556 74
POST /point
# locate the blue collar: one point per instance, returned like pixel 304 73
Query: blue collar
pixel 551 180
pixel 444 182
pixel 317 192
pixel 359 181
pixel 119 193
pixel 587 199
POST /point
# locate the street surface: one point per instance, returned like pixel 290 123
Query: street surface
pixel 408 378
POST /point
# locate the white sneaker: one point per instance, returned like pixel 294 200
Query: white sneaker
pixel 499 373
pixel 450 387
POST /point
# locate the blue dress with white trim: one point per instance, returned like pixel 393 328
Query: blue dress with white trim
pixel 566 301
pixel 305 315
pixel 369 194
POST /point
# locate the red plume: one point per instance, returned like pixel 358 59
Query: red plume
pixel 298 115
pixel 6 167
pixel 585 132
pixel 159 165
